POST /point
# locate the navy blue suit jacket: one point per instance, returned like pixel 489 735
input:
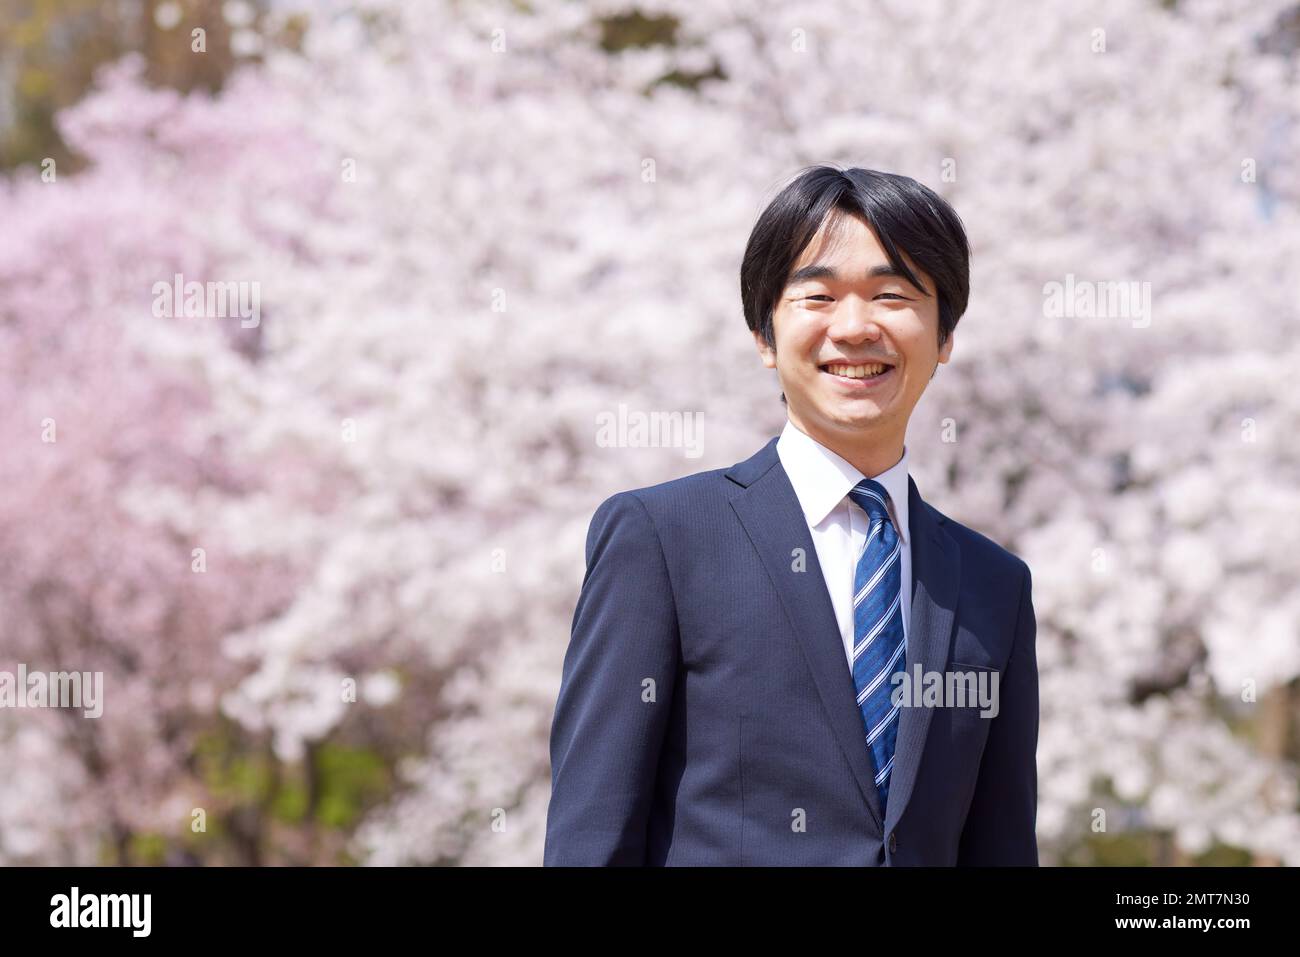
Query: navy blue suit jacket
pixel 707 714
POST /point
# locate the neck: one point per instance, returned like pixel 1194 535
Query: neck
pixel 868 453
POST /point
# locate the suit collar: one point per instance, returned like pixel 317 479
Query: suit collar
pixel 749 471
pixel 822 478
pixel 773 518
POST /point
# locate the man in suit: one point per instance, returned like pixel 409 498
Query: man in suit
pixel 742 685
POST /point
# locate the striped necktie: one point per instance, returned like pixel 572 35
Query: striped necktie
pixel 878 646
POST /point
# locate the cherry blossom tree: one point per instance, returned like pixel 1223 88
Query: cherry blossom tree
pixel 91 581
pixel 479 228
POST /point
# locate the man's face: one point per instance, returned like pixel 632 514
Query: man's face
pixel 850 308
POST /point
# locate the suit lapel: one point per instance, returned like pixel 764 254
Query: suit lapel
pixel 936 583
pixel 774 521
pixel 770 513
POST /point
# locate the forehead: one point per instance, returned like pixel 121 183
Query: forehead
pixel 843 240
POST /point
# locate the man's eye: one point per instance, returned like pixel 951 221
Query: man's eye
pixel 819 296
pixel 892 295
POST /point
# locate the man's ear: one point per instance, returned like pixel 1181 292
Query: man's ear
pixel 767 352
pixel 945 350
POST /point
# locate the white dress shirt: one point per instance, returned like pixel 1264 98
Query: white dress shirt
pixel 821 481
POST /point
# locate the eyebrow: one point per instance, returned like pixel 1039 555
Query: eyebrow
pixel 820 271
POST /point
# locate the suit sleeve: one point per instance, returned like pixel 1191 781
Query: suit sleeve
pixel 1000 826
pixel 615 696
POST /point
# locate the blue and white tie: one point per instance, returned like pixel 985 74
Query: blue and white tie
pixel 878 647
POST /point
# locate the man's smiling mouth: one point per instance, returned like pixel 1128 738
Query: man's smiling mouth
pixel 864 373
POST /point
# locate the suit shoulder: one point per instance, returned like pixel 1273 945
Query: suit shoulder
pixel 980 548
pixel 689 492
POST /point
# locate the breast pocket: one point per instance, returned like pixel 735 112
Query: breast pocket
pixel 974 691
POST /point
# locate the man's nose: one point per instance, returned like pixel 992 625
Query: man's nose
pixel 854 322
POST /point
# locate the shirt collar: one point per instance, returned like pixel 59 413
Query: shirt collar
pixel 822 479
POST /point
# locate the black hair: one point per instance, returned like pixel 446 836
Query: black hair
pixel 908 218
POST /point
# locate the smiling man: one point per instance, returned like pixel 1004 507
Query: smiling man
pixel 732 691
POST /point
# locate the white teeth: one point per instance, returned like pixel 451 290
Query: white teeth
pixel 857 372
